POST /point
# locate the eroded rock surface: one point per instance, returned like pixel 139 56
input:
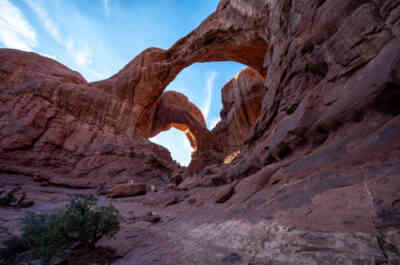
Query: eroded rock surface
pixel 229 34
pixel 241 99
pixel 317 179
pixel 54 124
pixel 127 190
pixel 175 110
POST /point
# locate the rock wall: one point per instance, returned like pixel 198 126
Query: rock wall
pixel 241 99
pixel 323 155
pixel 113 113
pixel 175 110
pixel 56 125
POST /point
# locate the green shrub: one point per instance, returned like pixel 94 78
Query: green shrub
pixel 45 237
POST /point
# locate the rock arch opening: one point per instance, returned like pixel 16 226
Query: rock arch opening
pixel 139 87
pixel 191 104
pixel 241 99
pixel 177 144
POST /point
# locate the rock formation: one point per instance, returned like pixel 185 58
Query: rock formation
pixel 241 99
pixel 317 178
pixel 175 110
pixel 54 124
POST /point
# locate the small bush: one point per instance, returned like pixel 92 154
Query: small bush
pixel 9 197
pixel 45 237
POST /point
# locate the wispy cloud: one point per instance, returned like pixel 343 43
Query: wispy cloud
pixel 205 109
pixel 106 4
pixel 15 30
pixel 48 23
pixel 81 54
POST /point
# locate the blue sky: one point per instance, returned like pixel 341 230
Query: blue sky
pixel 98 37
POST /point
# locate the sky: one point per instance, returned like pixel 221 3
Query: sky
pixel 98 37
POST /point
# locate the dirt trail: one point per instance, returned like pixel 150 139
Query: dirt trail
pixel 196 231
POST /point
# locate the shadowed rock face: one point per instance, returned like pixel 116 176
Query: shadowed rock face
pixel 175 110
pixel 320 165
pixel 324 153
pixel 241 98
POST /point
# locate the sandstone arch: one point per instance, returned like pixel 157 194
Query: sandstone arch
pixel 94 130
pixel 321 163
pixel 221 37
pixel 175 110
pixel 241 97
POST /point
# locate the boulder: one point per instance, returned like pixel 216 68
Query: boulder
pixel 127 190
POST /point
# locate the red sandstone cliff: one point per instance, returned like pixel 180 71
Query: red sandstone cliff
pixel 321 161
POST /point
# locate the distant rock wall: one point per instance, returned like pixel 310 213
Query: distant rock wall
pixel 241 99
pixel 175 110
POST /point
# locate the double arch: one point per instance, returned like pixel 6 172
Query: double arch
pixel 223 36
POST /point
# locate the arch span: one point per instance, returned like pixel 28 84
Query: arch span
pixel 175 110
pixel 241 97
pixel 223 36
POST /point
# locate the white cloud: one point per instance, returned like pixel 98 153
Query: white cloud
pixel 205 109
pixel 15 30
pixel 82 56
pixel 48 23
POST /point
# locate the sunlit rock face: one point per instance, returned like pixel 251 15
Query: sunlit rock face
pixel 54 124
pixel 229 34
pixel 241 98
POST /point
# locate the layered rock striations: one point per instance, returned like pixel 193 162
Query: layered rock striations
pixel 55 124
pixel 324 154
pixel 241 100
pixel 317 177
pixel 121 107
pixel 229 34
pixel 175 110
